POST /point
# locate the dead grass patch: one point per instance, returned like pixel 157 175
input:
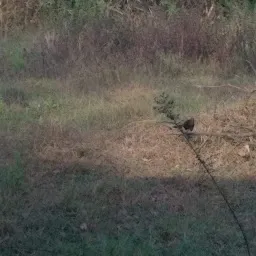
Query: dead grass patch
pixel 147 149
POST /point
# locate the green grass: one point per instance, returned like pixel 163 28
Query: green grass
pixel 47 220
pixel 49 102
pixel 12 177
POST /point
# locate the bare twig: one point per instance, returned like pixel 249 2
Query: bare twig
pixel 227 134
pixel 216 134
pixel 207 171
pixel 222 86
pixel 167 107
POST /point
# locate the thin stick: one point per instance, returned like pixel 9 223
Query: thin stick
pixel 207 171
pixel 216 134
pixel 211 134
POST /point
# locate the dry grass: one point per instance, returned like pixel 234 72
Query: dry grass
pixel 133 182
pixel 153 146
pixel 114 49
pixel 119 125
pixel 85 168
pixel 84 165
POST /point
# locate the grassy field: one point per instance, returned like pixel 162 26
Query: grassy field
pixel 92 174
pixel 87 167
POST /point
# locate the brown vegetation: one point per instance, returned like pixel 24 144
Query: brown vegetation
pixel 85 164
pixel 143 41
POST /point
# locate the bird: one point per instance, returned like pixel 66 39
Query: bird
pixel 187 125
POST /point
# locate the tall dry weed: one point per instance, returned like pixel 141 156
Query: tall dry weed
pixel 138 42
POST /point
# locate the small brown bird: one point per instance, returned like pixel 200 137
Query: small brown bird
pixel 187 125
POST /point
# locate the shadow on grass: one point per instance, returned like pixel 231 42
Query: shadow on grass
pixel 88 211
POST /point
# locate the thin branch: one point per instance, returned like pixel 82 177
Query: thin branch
pixel 207 171
pixel 228 134
pixel 222 86
pixel 217 134
pixel 173 121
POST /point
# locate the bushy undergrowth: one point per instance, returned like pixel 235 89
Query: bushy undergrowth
pixel 106 41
